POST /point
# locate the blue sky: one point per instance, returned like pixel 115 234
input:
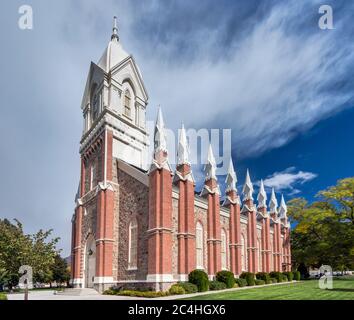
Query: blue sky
pixel 262 68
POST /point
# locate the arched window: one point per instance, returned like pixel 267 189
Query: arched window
pixel 243 254
pixel 93 181
pixel 127 103
pixel 223 250
pixel 199 245
pixel 133 245
pixel 259 256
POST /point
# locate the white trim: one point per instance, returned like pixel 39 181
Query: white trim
pixel 135 173
pixel 159 278
pixel 182 277
pixel 103 280
pixel 77 281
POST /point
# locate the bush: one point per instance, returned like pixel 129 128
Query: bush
pixel 263 276
pixel 143 294
pixel 241 282
pixel 273 280
pixel 3 296
pixel 297 275
pixel 226 277
pixel 277 275
pixel 217 285
pixel 259 282
pixel 249 276
pixel 176 289
pixel 188 287
pixel 236 284
pixel 284 278
pixel 289 276
pixel 200 279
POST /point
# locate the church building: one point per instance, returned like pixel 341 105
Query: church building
pixel 145 225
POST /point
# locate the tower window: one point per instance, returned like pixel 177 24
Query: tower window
pixel 133 245
pixel 223 250
pixel 127 103
pixel 199 245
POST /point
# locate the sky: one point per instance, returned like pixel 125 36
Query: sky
pixel 263 69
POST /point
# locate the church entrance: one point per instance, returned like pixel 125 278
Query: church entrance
pixel 90 262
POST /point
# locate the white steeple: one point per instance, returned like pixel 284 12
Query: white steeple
pixel 160 143
pixel 273 203
pixel 262 197
pixel 283 209
pixel 247 190
pixel 183 148
pixel 115 30
pixel 210 167
pixel 231 178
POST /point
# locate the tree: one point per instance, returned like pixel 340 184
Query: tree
pixel 60 270
pixel 17 249
pixel 324 229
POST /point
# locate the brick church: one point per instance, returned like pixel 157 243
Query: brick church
pixel 140 222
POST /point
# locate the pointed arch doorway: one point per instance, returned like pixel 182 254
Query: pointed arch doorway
pixel 90 262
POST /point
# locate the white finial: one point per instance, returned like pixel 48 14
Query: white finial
pixel 262 197
pixel 247 190
pixel 283 209
pixel 273 203
pixel 231 178
pixel 210 167
pixel 160 143
pixel 183 148
pixel 115 29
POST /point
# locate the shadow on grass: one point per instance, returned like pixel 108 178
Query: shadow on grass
pixel 342 289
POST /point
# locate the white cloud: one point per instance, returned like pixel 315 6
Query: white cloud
pixel 288 180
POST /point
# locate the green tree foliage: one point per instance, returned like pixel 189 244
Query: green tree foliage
pixel 18 248
pixel 60 270
pixel 324 229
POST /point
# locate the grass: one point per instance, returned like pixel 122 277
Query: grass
pixel 3 296
pixel 343 289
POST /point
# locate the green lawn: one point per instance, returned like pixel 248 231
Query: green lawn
pixel 343 289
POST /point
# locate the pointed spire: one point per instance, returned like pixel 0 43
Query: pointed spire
pixel 273 203
pixel 247 190
pixel 115 30
pixel 160 143
pixel 183 148
pixel 231 178
pixel 283 209
pixel 262 197
pixel 210 167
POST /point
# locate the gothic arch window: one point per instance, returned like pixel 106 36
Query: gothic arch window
pixel 223 250
pixel 93 175
pixel 259 256
pixel 243 253
pixel 199 245
pixel 127 103
pixel 133 245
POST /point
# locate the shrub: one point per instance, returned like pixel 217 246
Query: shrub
pixel 3 296
pixel 277 275
pixel 289 276
pixel 273 280
pixel 259 282
pixel 236 284
pixel 176 289
pixel 188 287
pixel 200 279
pixel 297 275
pixel 226 277
pixel 241 282
pixel 249 276
pixel 284 278
pixel 217 285
pixel 263 276
pixel 143 294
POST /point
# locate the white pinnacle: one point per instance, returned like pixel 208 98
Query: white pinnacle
pixel 262 196
pixel 273 203
pixel 115 30
pixel 247 190
pixel 283 209
pixel 183 148
pixel 210 167
pixel 231 178
pixel 160 143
